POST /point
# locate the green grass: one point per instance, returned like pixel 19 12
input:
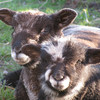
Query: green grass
pixel 86 16
pixel 6 93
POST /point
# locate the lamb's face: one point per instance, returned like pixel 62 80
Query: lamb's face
pixel 63 62
pixel 29 30
pixel 33 28
pixel 64 65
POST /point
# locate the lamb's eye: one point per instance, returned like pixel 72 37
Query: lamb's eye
pixel 43 30
pixel 79 62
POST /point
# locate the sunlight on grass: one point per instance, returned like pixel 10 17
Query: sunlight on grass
pixel 49 11
pixel 86 15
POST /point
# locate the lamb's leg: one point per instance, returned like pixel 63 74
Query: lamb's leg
pixel 20 92
pixel 41 95
pixel 11 79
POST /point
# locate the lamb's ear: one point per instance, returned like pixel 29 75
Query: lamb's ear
pixel 33 51
pixel 64 17
pixel 6 15
pixel 92 56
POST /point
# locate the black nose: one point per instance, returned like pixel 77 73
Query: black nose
pixel 58 76
pixel 17 49
pixel 16 46
pixel 59 72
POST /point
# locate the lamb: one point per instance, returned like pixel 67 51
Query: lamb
pixel 32 27
pixel 68 69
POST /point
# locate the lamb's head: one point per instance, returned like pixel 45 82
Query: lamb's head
pixel 65 65
pixel 34 27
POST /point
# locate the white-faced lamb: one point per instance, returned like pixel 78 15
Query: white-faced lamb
pixel 65 68
pixel 68 68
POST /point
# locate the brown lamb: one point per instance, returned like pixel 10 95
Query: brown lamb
pixel 68 68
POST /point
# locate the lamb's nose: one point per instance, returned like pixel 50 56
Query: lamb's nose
pixel 59 72
pixel 58 76
pixel 17 50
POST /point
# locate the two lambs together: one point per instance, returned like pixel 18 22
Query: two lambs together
pixel 56 67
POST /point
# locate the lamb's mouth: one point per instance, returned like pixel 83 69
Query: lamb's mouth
pixel 59 85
